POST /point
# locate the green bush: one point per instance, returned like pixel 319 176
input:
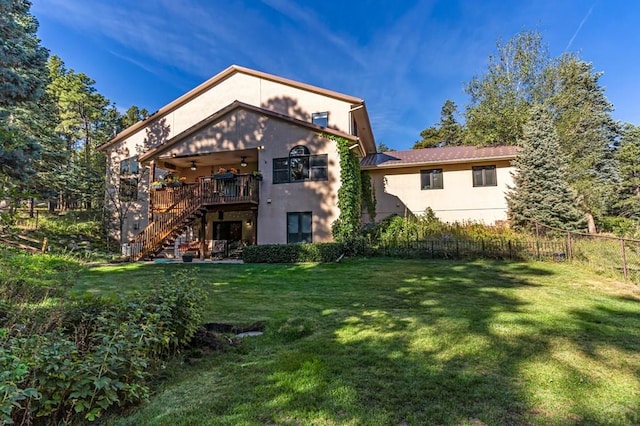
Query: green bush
pixel 620 226
pixel 100 354
pixel 293 253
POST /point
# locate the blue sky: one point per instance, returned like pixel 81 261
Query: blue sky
pixel 404 57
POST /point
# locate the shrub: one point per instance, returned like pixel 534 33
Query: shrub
pixel 620 226
pixel 101 353
pixel 293 253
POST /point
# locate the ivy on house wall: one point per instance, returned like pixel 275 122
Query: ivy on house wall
pixel 368 195
pixel 346 228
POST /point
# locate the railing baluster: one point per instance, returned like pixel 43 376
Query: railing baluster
pixel 176 205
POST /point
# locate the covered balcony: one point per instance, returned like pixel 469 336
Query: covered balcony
pixel 216 190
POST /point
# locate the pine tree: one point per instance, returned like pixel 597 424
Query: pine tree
pixel 541 192
pixel 23 63
pixel 447 133
pixel 587 132
pixel 628 155
pixel 22 80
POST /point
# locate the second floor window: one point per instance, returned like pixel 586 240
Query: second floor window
pixel 299 166
pixel 129 166
pixel 431 179
pixel 484 176
pixel 320 119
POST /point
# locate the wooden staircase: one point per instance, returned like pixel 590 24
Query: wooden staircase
pixel 168 224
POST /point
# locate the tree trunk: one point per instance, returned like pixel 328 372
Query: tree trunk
pixel 591 224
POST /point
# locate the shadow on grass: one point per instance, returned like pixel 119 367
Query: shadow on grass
pixel 410 342
pixel 447 365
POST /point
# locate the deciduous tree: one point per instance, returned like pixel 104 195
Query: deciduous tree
pixel 501 98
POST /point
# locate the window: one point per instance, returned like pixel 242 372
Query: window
pixel 320 118
pixel 300 166
pixel 484 176
pixel 128 190
pixel 431 179
pixel 299 227
pixel 129 166
pixel 299 163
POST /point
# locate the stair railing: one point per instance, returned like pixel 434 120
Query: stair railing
pixel 153 235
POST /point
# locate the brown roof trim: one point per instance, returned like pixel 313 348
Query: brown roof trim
pixel 233 69
pixel 435 156
pixel 364 130
pixel 400 164
pixel 229 108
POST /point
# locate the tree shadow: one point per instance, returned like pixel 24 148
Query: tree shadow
pixel 263 136
pixel 418 342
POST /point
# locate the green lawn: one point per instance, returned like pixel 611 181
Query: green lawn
pixel 389 342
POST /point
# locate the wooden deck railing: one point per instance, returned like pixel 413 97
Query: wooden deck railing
pixel 234 190
pixel 173 206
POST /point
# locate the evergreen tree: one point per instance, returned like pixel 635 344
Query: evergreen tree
pixel 22 79
pixel 587 134
pixel 382 147
pixel 23 60
pixel 447 133
pixel 85 120
pixel 450 129
pixel 628 156
pixel 132 116
pixel 541 192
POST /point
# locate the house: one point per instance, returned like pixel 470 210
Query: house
pixel 216 141
pixel 250 158
pixel 459 183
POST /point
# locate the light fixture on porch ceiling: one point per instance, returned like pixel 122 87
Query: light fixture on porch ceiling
pixel 243 162
pixel 193 165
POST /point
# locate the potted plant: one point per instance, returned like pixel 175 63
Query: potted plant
pixel 257 175
pixel 157 184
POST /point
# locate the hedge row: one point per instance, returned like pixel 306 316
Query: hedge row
pixel 293 253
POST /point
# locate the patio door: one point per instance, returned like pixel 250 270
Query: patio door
pixel 230 231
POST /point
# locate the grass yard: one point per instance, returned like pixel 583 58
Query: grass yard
pixel 397 342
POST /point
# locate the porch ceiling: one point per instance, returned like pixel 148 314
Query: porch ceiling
pixel 212 159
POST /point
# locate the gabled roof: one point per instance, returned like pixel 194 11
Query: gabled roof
pixel 427 156
pixel 226 110
pixel 233 69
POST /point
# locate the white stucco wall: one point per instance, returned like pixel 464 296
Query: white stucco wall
pixel 398 191
pixel 246 130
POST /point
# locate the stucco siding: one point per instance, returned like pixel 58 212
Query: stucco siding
pixel 317 197
pixel 398 191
